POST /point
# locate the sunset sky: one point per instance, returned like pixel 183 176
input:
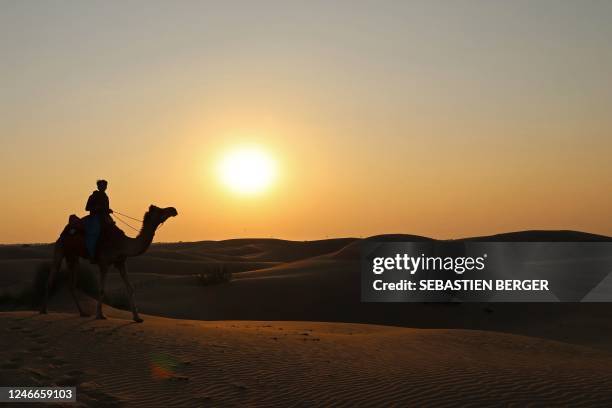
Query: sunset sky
pixel 439 118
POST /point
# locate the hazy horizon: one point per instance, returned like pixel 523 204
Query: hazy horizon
pixel 447 120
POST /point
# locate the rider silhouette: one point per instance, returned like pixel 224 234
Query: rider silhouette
pixel 99 210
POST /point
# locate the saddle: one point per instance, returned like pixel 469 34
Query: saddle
pixel 76 227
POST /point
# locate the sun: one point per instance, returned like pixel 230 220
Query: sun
pixel 247 170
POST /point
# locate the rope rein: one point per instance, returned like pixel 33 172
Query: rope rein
pixel 127 216
pixel 126 223
pixel 116 215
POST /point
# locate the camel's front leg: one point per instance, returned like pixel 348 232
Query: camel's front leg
pixel 130 291
pixel 103 270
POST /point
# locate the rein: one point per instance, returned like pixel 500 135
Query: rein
pixel 127 216
pixel 124 222
pixel 116 215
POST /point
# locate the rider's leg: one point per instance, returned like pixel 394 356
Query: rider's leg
pixel 92 234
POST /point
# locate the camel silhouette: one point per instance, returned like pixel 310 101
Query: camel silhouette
pixel 113 250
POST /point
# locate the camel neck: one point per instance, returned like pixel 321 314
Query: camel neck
pixel 138 245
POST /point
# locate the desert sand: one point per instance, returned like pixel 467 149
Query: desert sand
pixel 258 340
pixel 168 362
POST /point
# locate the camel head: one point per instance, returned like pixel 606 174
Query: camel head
pixel 155 216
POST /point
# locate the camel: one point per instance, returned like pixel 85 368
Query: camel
pixel 113 250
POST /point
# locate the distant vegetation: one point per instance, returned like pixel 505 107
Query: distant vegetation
pixel 216 276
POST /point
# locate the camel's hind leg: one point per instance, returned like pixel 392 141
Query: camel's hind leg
pixel 58 257
pixel 130 291
pixel 73 264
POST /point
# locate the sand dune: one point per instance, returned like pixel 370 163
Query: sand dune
pixel 327 290
pixel 253 249
pixel 259 346
pixel 542 236
pixel 167 362
pixel 321 286
pixel 186 258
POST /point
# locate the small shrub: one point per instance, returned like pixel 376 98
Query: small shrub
pixel 219 275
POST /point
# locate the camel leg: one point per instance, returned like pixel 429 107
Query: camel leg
pixel 58 256
pixel 130 291
pixel 103 270
pixel 72 268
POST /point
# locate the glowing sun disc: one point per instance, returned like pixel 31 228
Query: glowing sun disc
pixel 247 170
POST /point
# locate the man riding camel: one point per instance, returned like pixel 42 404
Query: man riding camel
pixel 97 238
pixel 99 216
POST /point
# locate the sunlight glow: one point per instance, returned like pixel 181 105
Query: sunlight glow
pixel 247 170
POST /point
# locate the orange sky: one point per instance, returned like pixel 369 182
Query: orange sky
pixel 441 120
